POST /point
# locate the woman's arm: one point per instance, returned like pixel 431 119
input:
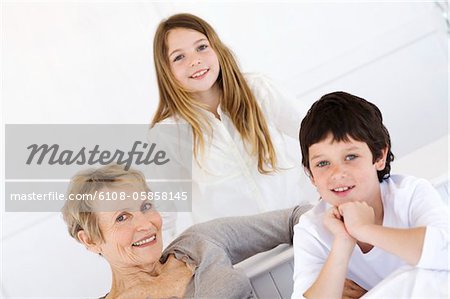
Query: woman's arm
pixel 245 236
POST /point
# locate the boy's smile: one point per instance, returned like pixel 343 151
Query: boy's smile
pixel 343 171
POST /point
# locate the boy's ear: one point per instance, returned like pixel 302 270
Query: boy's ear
pixel 380 164
pixel 310 176
pixel 88 243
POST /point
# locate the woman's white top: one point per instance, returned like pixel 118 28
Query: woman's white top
pixel 225 177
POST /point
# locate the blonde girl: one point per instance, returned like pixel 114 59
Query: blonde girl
pixel 238 123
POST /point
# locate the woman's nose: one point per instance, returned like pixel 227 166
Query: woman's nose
pixel 142 221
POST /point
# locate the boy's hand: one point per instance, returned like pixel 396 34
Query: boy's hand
pixel 334 223
pixel 357 215
pixel 352 290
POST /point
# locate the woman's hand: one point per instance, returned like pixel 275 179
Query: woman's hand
pixel 352 290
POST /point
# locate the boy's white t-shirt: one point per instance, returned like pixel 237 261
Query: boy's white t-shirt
pixel 407 202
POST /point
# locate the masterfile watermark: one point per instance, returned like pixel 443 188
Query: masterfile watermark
pixel 42 159
pixel 95 156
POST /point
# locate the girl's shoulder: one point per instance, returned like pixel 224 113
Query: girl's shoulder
pixel 255 80
pixel 172 120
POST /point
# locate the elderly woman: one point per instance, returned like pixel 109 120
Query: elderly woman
pixel 127 233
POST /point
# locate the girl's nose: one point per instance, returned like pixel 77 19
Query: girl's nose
pixel 195 62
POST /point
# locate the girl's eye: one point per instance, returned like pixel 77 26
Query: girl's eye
pixel 202 47
pixel 178 57
pixel 351 157
pixel 146 206
pixel 322 164
pixel 122 218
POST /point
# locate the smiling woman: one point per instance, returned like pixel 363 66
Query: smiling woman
pixel 127 234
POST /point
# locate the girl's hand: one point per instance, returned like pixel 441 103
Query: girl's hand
pixel 352 290
pixel 357 215
pixel 333 221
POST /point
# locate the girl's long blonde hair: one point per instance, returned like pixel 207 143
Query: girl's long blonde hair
pixel 237 99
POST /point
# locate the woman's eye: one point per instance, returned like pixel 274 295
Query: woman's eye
pixel 351 157
pixel 322 163
pixel 146 206
pixel 121 218
pixel 202 47
pixel 178 57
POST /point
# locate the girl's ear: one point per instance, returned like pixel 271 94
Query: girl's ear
pixel 380 164
pixel 87 241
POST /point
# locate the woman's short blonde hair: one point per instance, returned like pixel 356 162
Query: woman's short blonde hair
pixel 79 214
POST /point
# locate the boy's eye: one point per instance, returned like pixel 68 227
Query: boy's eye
pixel 350 157
pixel 202 47
pixel 178 57
pixel 322 164
pixel 122 218
pixel 146 206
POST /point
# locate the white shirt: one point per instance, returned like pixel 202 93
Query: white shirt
pixel 225 179
pixel 407 202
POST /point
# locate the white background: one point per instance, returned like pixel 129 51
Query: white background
pixel 91 62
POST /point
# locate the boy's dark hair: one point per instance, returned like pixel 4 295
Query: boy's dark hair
pixel 345 115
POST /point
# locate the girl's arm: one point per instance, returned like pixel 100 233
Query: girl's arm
pixel 283 109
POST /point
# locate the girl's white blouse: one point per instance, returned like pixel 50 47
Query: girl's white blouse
pixel 225 178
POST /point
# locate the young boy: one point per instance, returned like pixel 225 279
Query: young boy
pixel 367 223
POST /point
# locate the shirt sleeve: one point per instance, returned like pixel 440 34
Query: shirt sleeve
pixel 175 140
pixel 284 110
pixel 245 236
pixel 309 257
pixel 427 209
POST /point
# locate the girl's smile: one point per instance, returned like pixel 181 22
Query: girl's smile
pixel 193 62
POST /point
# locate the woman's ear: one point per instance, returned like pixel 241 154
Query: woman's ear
pixel 380 164
pixel 87 241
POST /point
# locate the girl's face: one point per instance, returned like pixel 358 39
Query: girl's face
pixel 192 60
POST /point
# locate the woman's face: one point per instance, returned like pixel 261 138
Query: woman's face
pixel 131 229
pixel 192 60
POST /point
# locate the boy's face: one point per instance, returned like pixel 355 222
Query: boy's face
pixel 344 172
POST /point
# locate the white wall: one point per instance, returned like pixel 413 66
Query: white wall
pixel 91 62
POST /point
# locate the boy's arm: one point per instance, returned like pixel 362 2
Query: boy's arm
pixel 331 279
pixel 404 243
pixel 424 244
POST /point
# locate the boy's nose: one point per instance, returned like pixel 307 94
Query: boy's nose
pixel 339 172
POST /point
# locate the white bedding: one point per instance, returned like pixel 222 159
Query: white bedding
pixel 410 282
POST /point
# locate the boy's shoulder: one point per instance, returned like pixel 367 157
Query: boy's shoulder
pixel 404 184
pixel 314 217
